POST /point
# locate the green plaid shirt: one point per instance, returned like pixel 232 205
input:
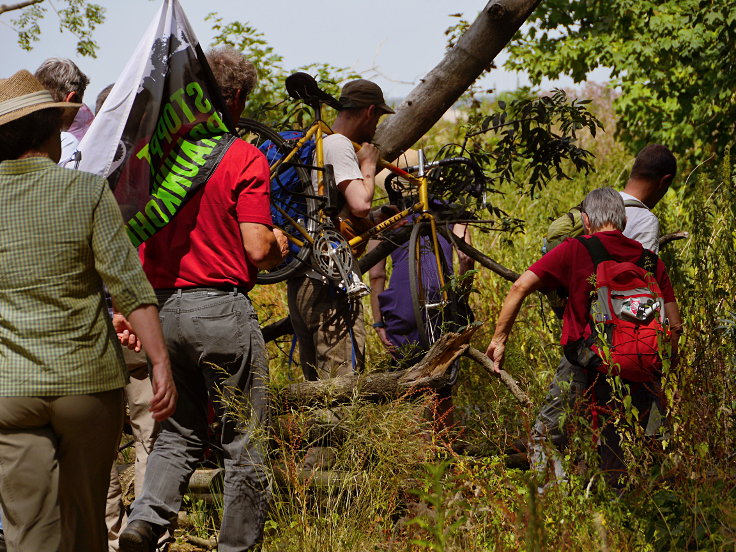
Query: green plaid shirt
pixel 61 238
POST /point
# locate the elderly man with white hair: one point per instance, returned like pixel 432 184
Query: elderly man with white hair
pixel 570 266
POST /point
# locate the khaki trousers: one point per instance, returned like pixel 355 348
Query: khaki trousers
pixel 329 328
pixel 138 394
pixel 55 458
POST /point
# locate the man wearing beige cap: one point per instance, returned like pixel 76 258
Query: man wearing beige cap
pixel 61 368
pixel 328 324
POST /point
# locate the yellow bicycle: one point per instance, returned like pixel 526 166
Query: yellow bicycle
pixel 306 209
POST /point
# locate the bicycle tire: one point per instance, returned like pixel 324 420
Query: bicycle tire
pixel 434 314
pixel 264 138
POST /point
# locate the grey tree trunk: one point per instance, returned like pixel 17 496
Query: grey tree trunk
pixel 461 66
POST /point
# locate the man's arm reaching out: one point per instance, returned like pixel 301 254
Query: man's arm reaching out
pixel 525 285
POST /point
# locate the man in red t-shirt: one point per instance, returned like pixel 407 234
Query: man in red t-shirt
pixel 201 265
pixel 569 266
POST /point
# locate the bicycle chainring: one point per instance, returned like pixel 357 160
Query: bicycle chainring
pixel 330 248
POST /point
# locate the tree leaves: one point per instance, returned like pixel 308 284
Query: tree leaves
pixel 672 60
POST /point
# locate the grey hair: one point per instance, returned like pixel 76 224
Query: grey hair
pixel 604 206
pixel 232 71
pixel 61 76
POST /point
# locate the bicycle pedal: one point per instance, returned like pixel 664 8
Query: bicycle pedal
pixel 357 290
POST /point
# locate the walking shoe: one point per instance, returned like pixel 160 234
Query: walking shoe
pixel 138 536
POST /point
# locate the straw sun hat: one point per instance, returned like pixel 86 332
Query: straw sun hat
pixel 22 94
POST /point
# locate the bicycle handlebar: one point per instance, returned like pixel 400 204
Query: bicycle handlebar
pixel 477 171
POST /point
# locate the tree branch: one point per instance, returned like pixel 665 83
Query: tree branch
pixel 667 238
pixel 504 376
pixel 19 6
pixel 481 258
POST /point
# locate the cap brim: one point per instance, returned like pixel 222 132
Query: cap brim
pixel 386 109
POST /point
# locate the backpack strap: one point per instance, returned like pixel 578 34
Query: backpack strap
pixel 594 246
pixel 635 203
pixel 648 260
pixel 571 215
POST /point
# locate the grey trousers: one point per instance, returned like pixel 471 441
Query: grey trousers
pixel 568 385
pixel 328 327
pixel 217 354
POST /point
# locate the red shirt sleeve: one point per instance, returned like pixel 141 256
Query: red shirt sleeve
pixel 554 267
pixel 253 188
pixel 663 279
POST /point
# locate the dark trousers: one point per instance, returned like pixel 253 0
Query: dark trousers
pixel 217 353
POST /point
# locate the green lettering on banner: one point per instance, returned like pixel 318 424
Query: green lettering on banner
pixel 215 124
pixel 155 213
pixel 143 153
pixel 195 152
pixel 162 133
pixel 198 131
pixel 201 103
pixel 186 168
pixel 170 201
pixel 177 97
pixel 172 181
pixel 141 226
pixel 171 118
pixel 134 239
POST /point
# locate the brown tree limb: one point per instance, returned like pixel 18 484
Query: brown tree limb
pixel 667 238
pixel 481 258
pixel 442 86
pixel 504 376
pixel 19 6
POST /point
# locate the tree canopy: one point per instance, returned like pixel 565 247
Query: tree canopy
pixel 78 17
pixel 673 62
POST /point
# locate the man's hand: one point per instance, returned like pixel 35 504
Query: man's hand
pixel 282 241
pixel 163 403
pixel 497 353
pixel 125 333
pixel 390 347
pixel 368 155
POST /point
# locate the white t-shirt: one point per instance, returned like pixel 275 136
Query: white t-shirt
pixel 641 224
pixel 69 145
pixel 340 153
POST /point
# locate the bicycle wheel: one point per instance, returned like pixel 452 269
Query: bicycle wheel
pixel 291 191
pixel 433 300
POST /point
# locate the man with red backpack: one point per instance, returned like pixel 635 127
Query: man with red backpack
pixel 638 294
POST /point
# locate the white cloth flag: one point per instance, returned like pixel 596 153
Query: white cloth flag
pixel 160 131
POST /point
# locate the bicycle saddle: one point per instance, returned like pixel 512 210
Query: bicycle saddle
pixel 302 86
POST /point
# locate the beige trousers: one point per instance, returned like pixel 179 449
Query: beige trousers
pixel 138 394
pixel 329 328
pixel 55 458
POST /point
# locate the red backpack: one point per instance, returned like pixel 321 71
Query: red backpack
pixel 628 312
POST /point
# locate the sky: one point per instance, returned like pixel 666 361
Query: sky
pixel 392 42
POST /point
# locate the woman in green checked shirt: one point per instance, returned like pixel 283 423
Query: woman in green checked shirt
pixel 61 368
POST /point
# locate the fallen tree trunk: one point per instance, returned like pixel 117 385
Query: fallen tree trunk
pixel 442 86
pixel 430 373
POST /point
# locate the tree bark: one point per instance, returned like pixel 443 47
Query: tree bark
pixel 442 86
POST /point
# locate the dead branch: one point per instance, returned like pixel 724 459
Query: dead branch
pixel 481 258
pixel 667 238
pixel 428 374
pixel 19 6
pixel 503 375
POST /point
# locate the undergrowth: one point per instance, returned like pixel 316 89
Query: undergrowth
pixel 387 484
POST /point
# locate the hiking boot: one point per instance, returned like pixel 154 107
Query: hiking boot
pixel 138 536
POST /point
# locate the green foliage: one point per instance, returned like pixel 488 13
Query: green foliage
pixel 268 102
pixel 78 17
pixel 672 61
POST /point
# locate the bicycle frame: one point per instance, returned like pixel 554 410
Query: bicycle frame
pixel 317 131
